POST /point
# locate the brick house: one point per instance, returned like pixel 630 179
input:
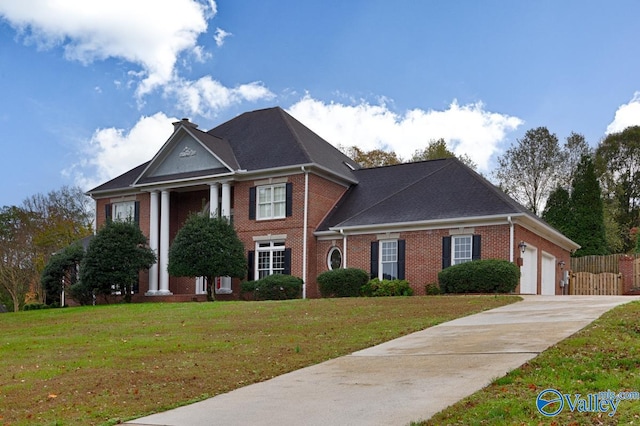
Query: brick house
pixel 301 207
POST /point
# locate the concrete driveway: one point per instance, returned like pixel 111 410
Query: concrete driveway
pixel 406 379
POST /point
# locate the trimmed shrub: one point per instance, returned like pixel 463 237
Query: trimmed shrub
pixel 34 306
pixel 377 288
pixel 480 276
pixel 274 287
pixel 432 289
pixel 342 282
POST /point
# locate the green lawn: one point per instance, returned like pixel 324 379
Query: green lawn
pixel 105 364
pixel 603 356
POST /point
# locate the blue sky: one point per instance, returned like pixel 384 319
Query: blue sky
pixel 90 88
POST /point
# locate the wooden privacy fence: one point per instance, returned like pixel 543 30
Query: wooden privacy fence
pixel 603 284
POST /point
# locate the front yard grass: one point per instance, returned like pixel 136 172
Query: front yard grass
pixel 107 364
pixel 604 356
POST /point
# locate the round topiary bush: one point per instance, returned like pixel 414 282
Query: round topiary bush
pixel 342 282
pixel 274 287
pixel 480 276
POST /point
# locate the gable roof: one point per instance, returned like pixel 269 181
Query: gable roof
pixel 419 192
pixel 254 141
pixel 123 181
pixel 271 138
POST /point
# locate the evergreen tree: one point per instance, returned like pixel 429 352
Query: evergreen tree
pixel 114 258
pixel 557 212
pixel 207 247
pixel 588 211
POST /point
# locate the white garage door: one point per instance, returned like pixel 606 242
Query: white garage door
pixel 548 273
pixel 529 271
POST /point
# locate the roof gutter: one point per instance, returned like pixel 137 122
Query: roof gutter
pixel 418 225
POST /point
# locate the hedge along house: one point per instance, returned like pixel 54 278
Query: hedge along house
pixel 302 207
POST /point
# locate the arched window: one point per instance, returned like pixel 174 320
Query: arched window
pixel 334 259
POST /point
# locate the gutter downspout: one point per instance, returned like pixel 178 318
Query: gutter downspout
pixel 344 248
pixel 304 232
pixel 511 234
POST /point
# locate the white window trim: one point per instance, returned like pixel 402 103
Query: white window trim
pixel 225 285
pixel 381 262
pixel 274 246
pixel 331 251
pixel 271 203
pixel 455 238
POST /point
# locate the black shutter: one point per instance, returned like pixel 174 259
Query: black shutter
pixel 287 262
pixel 107 212
pixel 251 256
pixel 475 247
pixel 446 252
pixel 401 256
pixel 289 205
pixel 136 213
pixel 374 259
pixel 252 203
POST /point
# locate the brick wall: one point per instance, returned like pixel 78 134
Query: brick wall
pixel 542 244
pixel 423 258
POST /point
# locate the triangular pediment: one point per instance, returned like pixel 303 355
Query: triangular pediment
pixel 183 156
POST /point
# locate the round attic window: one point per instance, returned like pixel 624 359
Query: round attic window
pixel 334 259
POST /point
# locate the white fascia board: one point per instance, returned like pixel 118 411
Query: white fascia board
pixel 548 232
pixel 186 182
pixel 294 169
pixel 419 226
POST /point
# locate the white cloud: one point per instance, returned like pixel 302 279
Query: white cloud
pixel 148 33
pixel 111 152
pixel 220 36
pixel 206 96
pixel 468 129
pixel 626 115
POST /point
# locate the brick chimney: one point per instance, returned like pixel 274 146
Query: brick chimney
pixel 185 122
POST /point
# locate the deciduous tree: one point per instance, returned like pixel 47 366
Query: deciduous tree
pixel 437 149
pixel 531 169
pixel 17 269
pixel 618 165
pixel 207 247
pixel 373 158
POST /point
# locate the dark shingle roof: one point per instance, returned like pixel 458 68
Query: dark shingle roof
pixel 415 192
pixel 271 138
pixel 123 181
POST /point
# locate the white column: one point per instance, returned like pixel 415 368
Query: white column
pixel 164 243
pixel 154 213
pixel 226 200
pixel 213 200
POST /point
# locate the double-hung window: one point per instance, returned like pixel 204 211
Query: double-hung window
pixel 272 201
pixel 389 259
pixel 270 258
pixel 124 211
pixel 461 249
